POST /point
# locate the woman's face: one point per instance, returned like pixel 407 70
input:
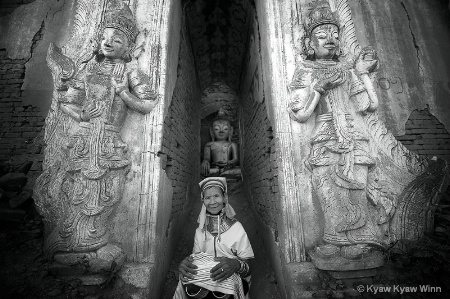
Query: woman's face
pixel 213 200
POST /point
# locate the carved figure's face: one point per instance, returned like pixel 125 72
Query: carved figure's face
pixel 214 200
pixel 325 41
pixel 221 129
pixel 114 43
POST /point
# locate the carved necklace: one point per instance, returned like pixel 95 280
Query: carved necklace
pixel 107 66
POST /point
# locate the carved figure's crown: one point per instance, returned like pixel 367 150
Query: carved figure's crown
pixel 320 14
pixel 222 115
pixel 122 19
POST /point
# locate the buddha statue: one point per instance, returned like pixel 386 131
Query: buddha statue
pixel 220 154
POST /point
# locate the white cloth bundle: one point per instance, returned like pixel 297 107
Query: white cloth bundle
pixel 205 262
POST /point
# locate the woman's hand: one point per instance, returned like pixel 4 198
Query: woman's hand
pixel 224 269
pixel 187 268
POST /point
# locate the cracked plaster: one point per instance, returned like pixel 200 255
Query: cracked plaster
pixel 18 29
pixel 406 34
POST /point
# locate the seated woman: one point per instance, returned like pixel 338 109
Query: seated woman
pixel 222 237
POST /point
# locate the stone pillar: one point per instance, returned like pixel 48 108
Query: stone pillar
pixel 137 223
pixel 303 220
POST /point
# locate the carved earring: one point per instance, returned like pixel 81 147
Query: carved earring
pixel 341 51
pixel 310 51
pixel 127 56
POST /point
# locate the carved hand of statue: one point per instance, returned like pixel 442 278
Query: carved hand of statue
pixel 296 106
pixel 229 165
pixel 367 61
pixel 329 83
pixel 224 269
pixel 90 111
pixel 205 167
pixel 120 85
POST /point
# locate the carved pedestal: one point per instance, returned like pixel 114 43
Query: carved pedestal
pixel 341 265
pixel 92 268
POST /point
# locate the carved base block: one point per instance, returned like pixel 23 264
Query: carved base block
pixel 234 173
pixel 93 280
pixel 356 274
pixel 372 260
pixel 92 268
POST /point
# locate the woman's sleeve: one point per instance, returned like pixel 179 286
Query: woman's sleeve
pixel 243 247
pixel 197 242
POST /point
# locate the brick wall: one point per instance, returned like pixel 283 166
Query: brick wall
pixel 8 6
pixel 181 144
pixel 426 135
pixel 259 165
pixel 21 125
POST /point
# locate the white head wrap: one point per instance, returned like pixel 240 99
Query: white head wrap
pixel 221 183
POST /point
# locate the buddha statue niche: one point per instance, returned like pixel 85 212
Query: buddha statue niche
pixel 221 154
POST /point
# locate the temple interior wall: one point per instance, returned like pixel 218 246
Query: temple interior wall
pixel 181 145
pixel 258 149
pixel 412 40
pixel 27 28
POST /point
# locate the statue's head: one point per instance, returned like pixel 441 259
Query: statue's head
pixel 221 128
pixel 322 29
pixel 119 33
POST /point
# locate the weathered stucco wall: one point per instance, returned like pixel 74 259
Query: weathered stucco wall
pixel 258 148
pixel 8 6
pixel 181 144
pixel 413 41
pixel 26 29
pixel 257 144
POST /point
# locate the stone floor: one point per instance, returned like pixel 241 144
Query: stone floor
pixel 23 269
pixel 264 284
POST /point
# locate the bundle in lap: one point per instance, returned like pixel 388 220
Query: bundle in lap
pixel 205 262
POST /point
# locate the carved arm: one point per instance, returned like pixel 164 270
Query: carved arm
pixel 366 63
pixel 205 167
pixel 142 99
pixel 234 154
pixel 143 106
pixel 303 103
pixel 73 110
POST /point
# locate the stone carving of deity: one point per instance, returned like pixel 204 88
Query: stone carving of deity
pixel 220 154
pixel 340 156
pixel 356 165
pixel 95 160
